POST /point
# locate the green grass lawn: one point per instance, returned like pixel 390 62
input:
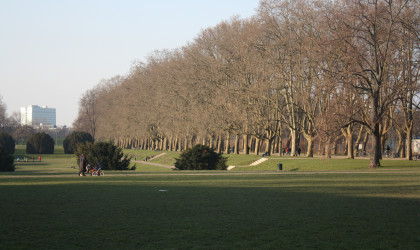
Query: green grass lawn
pixel 324 211
pixel 61 163
pixel 333 164
pixel 45 205
pixel 242 162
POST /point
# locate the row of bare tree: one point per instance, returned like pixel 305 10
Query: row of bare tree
pixel 321 69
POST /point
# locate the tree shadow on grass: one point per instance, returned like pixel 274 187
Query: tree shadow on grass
pixel 190 212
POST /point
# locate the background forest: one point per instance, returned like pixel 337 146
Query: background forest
pixel 298 74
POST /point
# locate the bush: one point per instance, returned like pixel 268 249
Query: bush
pixel 111 157
pixel 7 142
pixel 200 157
pixel 72 141
pixel 7 163
pixel 40 143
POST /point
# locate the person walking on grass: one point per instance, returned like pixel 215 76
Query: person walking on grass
pixel 82 165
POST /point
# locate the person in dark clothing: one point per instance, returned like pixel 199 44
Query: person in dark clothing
pixel 298 151
pixel 82 165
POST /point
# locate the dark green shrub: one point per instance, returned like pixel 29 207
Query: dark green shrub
pixel 72 141
pixel 7 142
pixel 7 163
pixel 111 157
pixel 40 143
pixel 200 157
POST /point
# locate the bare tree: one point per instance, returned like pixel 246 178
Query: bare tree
pixel 366 31
pixel 2 113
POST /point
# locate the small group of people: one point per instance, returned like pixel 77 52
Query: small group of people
pixel 84 166
pixel 288 151
pixel 26 159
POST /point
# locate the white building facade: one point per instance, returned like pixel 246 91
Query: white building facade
pixel 34 115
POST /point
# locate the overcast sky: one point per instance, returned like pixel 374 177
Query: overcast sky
pixel 52 51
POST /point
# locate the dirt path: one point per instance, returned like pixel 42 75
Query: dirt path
pixel 155 164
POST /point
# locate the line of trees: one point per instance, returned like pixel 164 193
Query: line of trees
pixel 297 71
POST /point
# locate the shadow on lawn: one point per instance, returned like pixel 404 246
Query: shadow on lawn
pixel 186 213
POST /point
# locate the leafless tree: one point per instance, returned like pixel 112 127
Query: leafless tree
pixel 367 33
pixel 319 69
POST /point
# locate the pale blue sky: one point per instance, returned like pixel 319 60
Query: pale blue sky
pixel 52 51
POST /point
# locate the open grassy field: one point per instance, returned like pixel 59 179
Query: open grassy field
pixel 47 206
pixel 242 162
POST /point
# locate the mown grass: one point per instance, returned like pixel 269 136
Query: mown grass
pixel 61 162
pixel 45 205
pixel 271 211
pixel 242 162
pixel 169 158
pixel 324 164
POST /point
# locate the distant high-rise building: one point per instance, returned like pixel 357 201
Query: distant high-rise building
pixel 34 115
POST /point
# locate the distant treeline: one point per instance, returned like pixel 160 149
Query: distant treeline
pixel 297 72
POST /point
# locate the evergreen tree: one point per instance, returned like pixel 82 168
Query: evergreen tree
pixel 6 161
pixel 73 140
pixel 40 143
pixel 200 157
pixel 111 157
pixel 7 142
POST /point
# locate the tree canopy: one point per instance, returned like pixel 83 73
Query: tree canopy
pixel 297 71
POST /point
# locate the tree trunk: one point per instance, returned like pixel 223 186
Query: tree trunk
pixel 348 135
pixel 310 149
pixel 334 145
pixel 171 143
pixel 274 145
pixel 146 144
pixel 376 148
pixel 310 141
pixel 257 146
pixel 402 144
pixel 409 140
pixel 269 145
pixel 165 144
pixel 375 121
pixel 359 137
pixel 246 146
pixel 211 141
pixel 365 141
pixel 237 144
pixel 328 147
pixel 227 146
pixel 219 144
pixel 176 147
pixel 252 147
pixel 294 135
pixel 191 143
